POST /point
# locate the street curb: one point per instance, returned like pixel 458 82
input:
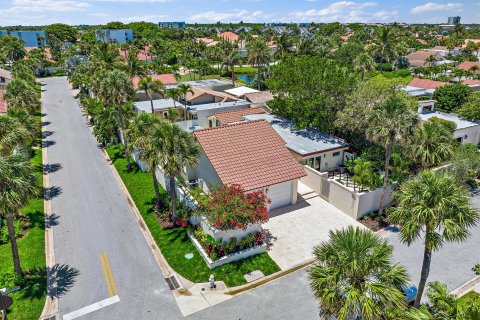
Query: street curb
pixel 467 287
pixel 252 285
pixel 51 304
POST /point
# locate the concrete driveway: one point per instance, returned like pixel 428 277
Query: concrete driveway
pixel 294 230
pixel 451 265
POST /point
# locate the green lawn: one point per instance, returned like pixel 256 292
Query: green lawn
pixel 28 302
pixel 195 76
pixel 174 243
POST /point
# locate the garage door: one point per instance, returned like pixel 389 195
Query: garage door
pixel 280 194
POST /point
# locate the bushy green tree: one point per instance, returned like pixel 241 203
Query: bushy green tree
pixel 471 109
pixel 451 97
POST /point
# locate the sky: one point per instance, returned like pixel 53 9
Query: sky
pixel 74 12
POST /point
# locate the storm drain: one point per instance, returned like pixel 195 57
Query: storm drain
pixel 173 282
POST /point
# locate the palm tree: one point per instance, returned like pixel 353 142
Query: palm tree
pixel 177 149
pixel 388 123
pixel 430 60
pixel 258 55
pixel 116 90
pixel 140 133
pixel 432 143
pixel 174 94
pixel 150 87
pixel 363 63
pixel 20 94
pixel 133 66
pixel 284 45
pixel 355 278
pixel 183 90
pixel 12 47
pixel 433 207
pixel 229 62
pixel 12 135
pixel 384 45
pixel 18 182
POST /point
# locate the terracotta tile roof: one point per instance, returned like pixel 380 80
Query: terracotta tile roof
pixel 257 97
pixel 418 58
pixel 237 115
pixel 471 82
pixel 426 83
pixel 197 92
pixel 166 79
pixel 5 74
pixel 251 154
pixel 422 41
pixel 466 65
pixel 444 48
pixel 228 36
pixel 204 40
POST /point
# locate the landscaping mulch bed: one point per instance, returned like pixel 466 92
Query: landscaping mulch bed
pixel 375 222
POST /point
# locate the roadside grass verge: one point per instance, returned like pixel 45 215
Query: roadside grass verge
pixel 29 301
pixel 468 299
pixel 174 243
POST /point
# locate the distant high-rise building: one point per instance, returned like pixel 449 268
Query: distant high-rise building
pixel 31 38
pixel 454 20
pixel 116 35
pixel 173 24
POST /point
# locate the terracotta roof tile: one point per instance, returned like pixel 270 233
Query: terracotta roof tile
pixel 471 82
pixel 228 36
pixel 426 83
pixel 237 115
pixel 251 154
pixel 257 97
pixel 197 92
pixel 466 65
pixel 166 79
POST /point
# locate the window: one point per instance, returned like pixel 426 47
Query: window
pixel 336 154
pixel 165 114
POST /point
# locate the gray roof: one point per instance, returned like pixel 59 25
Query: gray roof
pixel 460 123
pixel 159 104
pixel 304 141
pixel 207 83
pixel 217 105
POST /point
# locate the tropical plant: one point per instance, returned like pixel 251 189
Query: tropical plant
pixel 18 182
pixel 363 63
pixel 432 143
pixel 451 97
pixel 20 94
pixel 229 62
pixel 364 174
pixel 177 149
pixel 13 135
pixel 183 90
pixel 150 87
pixel 385 45
pixel 258 55
pixel 355 277
pixel 465 164
pixel 12 47
pixel 432 207
pixel 471 108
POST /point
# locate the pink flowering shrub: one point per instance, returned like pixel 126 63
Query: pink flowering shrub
pixel 231 207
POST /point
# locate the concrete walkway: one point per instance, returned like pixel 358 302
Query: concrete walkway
pixel 294 230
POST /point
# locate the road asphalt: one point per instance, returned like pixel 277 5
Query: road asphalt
pixel 92 218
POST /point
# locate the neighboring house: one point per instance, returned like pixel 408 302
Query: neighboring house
pixel 116 35
pixel 228 36
pixel 204 96
pixel 444 51
pixel 142 54
pixel 240 92
pixel 160 107
pixel 35 38
pixel 172 24
pixel 234 116
pixel 467 65
pixel 466 131
pixel 5 77
pixel 209 42
pixel 234 154
pixel 3 33
pixel 426 84
pixel 209 84
pixel 472 83
pixel 166 79
pixel 259 97
pixel 419 58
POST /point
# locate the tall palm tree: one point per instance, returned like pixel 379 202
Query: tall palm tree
pixel 20 94
pixel 384 45
pixel 388 123
pixel 363 63
pixel 258 55
pixel 355 277
pixel 432 143
pixel 116 90
pixel 133 66
pixel 174 94
pixel 150 87
pixel 284 45
pixel 229 62
pixel 177 149
pixel 183 90
pixel 432 207
pixel 12 47
pixel 430 60
pixel 18 182
pixel 140 133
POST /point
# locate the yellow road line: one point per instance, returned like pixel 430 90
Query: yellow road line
pixel 114 286
pixel 105 273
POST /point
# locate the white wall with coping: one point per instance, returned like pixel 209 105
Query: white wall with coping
pixel 228 234
pixel 239 255
pixel 313 179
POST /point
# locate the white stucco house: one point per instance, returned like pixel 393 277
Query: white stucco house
pixel 250 154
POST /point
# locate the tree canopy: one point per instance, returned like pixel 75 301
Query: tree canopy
pixel 451 97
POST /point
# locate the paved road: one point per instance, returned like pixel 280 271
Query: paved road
pixel 94 218
pixel 452 265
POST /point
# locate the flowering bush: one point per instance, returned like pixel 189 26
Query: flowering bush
pixel 231 207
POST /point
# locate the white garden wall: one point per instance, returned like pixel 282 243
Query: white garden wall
pixel 228 234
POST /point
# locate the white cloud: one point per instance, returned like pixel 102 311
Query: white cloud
pixel 97 14
pixel 135 1
pixel 432 7
pixel 234 16
pixel 346 11
pixel 147 18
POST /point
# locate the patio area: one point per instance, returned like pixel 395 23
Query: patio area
pixel 294 230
